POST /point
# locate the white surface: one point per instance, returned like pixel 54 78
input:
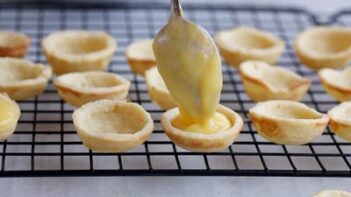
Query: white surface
pixel 170 186
pixel 183 186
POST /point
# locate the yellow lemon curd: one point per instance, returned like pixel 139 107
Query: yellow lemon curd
pixel 7 112
pixel 190 65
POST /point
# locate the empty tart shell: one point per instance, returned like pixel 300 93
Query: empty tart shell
pixel 112 126
pixel 337 83
pixel 332 193
pixel 77 51
pixel 321 47
pixel 266 82
pixel 140 56
pixel 9 115
pixel 158 90
pixel 340 120
pixel 288 122
pixel 201 142
pixel 80 88
pixel 245 43
pixel 13 44
pixel 22 79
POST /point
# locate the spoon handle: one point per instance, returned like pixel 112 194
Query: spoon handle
pixel 176 8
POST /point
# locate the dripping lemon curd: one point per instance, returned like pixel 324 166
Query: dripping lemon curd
pixel 190 65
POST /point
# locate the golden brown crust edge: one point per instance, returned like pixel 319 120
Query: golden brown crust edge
pixel 77 98
pixel 106 143
pixel 317 63
pixel 338 93
pixel 30 89
pixel 17 51
pixel 140 66
pixel 276 131
pixel 263 92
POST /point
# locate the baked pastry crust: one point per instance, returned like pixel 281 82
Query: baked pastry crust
pixel 78 51
pixel 322 47
pixel 332 193
pixel 112 126
pixel 340 120
pixel 8 126
pixel 140 56
pixel 80 88
pixel 13 44
pixel 200 142
pixel 266 82
pixel 337 83
pixel 245 43
pixel 288 122
pixel 22 79
pixel 158 90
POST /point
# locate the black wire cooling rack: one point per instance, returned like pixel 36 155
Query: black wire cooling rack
pixel 45 142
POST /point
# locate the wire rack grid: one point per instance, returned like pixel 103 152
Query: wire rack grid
pixel 45 142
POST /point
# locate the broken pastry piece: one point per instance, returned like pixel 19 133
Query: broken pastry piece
pixel 9 115
pixel 78 51
pixel 112 126
pixel 266 82
pixel 13 44
pixel 22 79
pixel 140 56
pixel 332 193
pixel 246 43
pixel 80 88
pixel 288 122
pixel 337 83
pixel 157 89
pixel 340 120
pixel 324 47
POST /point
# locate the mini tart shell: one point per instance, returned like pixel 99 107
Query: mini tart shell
pixel 308 44
pixel 332 193
pixel 132 123
pixel 13 44
pixel 268 118
pixel 7 128
pixel 158 91
pixel 140 56
pixel 270 50
pixel 340 122
pixel 332 84
pixel 199 142
pixel 259 89
pixel 27 79
pixel 78 95
pixel 65 61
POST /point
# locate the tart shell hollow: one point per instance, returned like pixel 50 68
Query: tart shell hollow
pixel 340 120
pixel 78 51
pixel 200 142
pixel 22 79
pixel 80 88
pixel 322 47
pixel 140 56
pixel 13 44
pixel 332 193
pixel 287 122
pixel 158 90
pixel 8 127
pixel 112 126
pixel 266 82
pixel 246 43
pixel 337 83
